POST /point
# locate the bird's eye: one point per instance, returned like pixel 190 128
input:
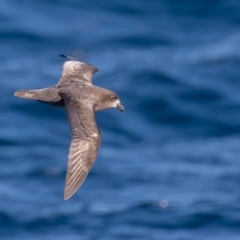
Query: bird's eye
pixel 113 97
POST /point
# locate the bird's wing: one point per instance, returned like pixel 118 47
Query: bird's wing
pixel 73 69
pixel 84 145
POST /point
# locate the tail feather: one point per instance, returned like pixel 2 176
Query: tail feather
pixel 46 95
pixel 30 94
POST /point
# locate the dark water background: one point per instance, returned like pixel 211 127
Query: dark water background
pixel 169 166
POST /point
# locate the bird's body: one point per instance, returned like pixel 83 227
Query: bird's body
pixel 81 99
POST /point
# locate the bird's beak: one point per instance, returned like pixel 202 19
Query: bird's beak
pixel 120 107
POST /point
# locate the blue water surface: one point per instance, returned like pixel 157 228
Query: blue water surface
pixel 169 166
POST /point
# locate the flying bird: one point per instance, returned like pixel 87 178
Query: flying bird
pixel 80 98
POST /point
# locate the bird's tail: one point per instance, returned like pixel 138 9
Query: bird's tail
pixel 30 94
pixel 46 95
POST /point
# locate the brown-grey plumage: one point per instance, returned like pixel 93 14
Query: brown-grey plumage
pixel 81 99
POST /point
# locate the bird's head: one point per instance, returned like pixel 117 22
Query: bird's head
pixel 109 99
pixel 115 101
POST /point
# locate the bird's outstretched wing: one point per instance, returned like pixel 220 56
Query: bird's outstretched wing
pixel 84 145
pixel 73 69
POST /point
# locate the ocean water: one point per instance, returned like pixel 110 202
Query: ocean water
pixel 169 166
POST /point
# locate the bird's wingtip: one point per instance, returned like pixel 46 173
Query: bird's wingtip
pixel 67 196
pixel 68 57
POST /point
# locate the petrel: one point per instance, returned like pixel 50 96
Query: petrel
pixel 80 98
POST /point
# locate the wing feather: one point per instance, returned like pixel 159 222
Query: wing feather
pixel 74 70
pixel 84 145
